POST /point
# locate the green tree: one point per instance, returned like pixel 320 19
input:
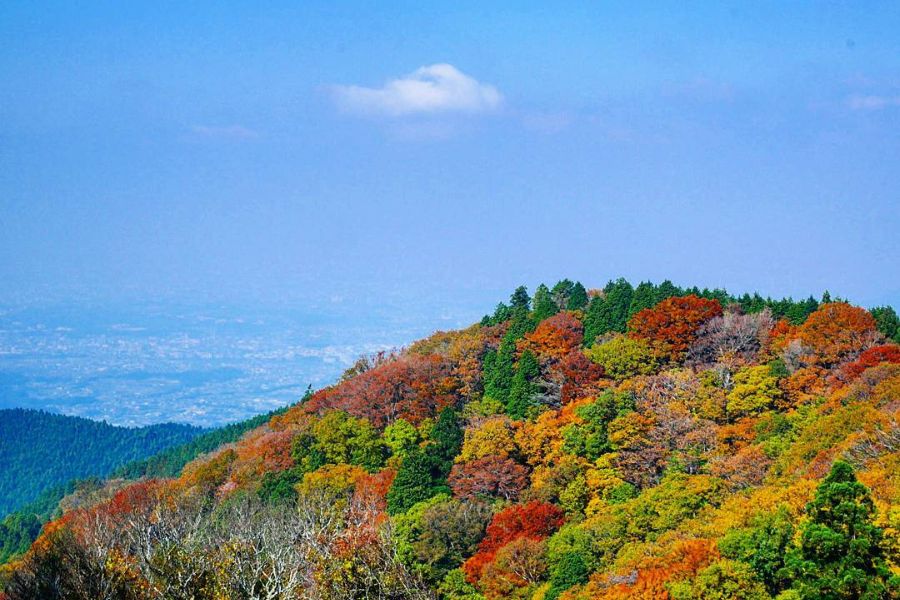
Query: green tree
pixel 401 436
pixel 498 368
pixel 501 314
pixel 437 535
pixel 752 304
pixel 544 306
pixel 612 314
pixel 17 531
pixel 570 570
pixel 423 472
pixel 446 439
pixel 796 312
pixel 520 299
pixel 413 483
pixel 887 321
pixel 279 486
pixel 623 357
pixel 561 292
pixel 578 297
pixel 722 580
pixel 306 453
pixel 840 554
pixel 590 438
pixel 523 387
pixel 608 312
pixel 499 379
pixel 666 289
pixel 592 320
pixel 764 547
pixel 455 587
pixel 644 297
pixel 408 526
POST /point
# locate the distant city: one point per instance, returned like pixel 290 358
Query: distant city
pixel 203 365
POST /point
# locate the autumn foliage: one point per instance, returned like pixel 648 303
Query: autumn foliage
pixel 872 357
pixel 489 476
pixel 409 387
pixel 535 520
pixel 672 325
pixel 554 338
pixel 690 454
pixel 837 332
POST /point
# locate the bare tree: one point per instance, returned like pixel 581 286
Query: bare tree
pixel 733 337
pixel 877 442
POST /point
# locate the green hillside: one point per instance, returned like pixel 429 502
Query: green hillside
pixel 41 450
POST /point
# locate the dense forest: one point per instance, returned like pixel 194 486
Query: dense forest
pixel 627 442
pixel 21 527
pixel 42 450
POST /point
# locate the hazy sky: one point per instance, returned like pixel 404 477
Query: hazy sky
pixel 220 148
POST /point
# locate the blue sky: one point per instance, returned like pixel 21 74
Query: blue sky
pixel 230 150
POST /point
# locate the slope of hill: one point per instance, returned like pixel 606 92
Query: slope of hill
pixel 629 442
pixel 20 528
pixel 42 450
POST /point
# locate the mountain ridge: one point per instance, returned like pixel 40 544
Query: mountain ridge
pixel 42 449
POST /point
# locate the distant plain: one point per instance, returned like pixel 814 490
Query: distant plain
pixel 206 365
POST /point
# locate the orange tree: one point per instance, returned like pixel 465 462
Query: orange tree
pixel 672 326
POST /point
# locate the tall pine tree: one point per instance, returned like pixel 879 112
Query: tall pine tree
pixel 520 299
pixel 544 305
pixel 504 370
pixel 644 296
pixel 592 320
pixel 615 308
pixel 489 374
pixel 561 292
pixel 666 289
pixel 446 439
pixel 578 299
pixel 841 554
pixel 423 472
pixel 523 387
pixel 412 484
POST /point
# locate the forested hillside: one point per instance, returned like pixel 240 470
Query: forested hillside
pixel 20 528
pixel 625 442
pixel 41 450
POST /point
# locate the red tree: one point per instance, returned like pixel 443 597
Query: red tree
pixel 410 387
pixel 555 337
pixel 837 332
pixel 889 353
pixel 535 520
pixel 672 326
pixel 489 476
pixel 267 451
pixel 580 376
pixel 374 488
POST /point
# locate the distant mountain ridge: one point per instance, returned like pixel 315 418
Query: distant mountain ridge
pixel 42 450
pixel 19 528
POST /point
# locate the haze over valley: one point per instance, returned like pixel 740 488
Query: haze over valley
pixel 206 365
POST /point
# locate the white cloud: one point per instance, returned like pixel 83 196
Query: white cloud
pixel 431 89
pixel 859 102
pixel 236 132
